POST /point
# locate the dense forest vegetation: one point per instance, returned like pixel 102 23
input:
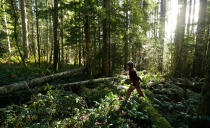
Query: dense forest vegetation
pixel 62 63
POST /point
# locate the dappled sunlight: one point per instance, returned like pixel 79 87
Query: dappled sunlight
pixel 104 63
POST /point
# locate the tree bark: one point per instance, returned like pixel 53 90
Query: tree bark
pixel 48 35
pixel 179 38
pixel 80 38
pixel 33 41
pixel 126 35
pixel 199 55
pixel 87 38
pixel 55 34
pixel 105 66
pixel 61 34
pixel 189 19
pixel 193 19
pixel 15 23
pixel 162 34
pixel 37 32
pixel 6 28
pixel 205 94
pixel 92 81
pixel 24 29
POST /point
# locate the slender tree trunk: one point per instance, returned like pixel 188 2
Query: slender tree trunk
pixel 99 42
pixel 62 45
pixel 109 36
pixel 162 33
pixel 33 42
pixel 52 42
pixel 193 19
pixel 55 30
pixel 87 38
pixel 51 34
pixel 105 66
pixel 80 38
pixel 179 38
pixel 48 35
pixel 15 23
pixel 205 94
pixel 126 35
pixel 199 55
pixel 37 32
pixel 189 19
pixel 24 29
pixel 6 28
pixel 113 56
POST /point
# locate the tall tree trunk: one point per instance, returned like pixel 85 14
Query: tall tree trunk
pixel 189 18
pixel 37 32
pixel 126 35
pixel 87 38
pixel 55 34
pixel 80 38
pixel 162 33
pixel 61 34
pixel 24 29
pixel 15 23
pixel 179 38
pixel 51 34
pixel 33 41
pixel 205 94
pixel 193 18
pixel 199 55
pixel 99 42
pixel 105 66
pixel 48 35
pixel 6 28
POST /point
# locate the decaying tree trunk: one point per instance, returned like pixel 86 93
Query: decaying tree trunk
pixel 157 119
pixel 37 81
pixel 85 82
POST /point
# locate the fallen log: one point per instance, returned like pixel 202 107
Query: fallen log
pixel 85 82
pixel 157 119
pixel 37 81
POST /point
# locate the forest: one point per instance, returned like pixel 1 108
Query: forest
pixel 105 63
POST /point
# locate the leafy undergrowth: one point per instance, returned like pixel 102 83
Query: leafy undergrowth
pixel 177 104
pixel 99 106
pixel 59 108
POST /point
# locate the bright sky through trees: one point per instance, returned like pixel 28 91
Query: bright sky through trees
pixel 171 18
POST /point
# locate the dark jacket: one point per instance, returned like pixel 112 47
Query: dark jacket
pixel 133 76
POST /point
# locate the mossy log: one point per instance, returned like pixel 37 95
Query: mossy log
pixel 37 81
pixel 157 119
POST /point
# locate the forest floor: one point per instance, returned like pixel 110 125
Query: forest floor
pixel 99 105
